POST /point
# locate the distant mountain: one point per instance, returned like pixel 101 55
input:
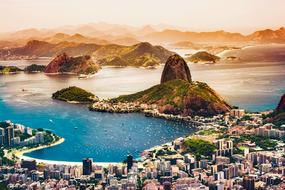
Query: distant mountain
pixel 180 96
pixel 76 38
pixel 77 65
pixel 268 35
pixel 203 56
pixel 142 54
pixel 37 48
pixel 173 36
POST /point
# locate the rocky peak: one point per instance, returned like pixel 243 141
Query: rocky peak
pixel 175 68
pixel 281 105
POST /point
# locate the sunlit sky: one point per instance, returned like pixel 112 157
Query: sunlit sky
pixel 199 15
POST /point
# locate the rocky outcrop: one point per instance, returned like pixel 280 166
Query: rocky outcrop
pixel 76 65
pixel 175 68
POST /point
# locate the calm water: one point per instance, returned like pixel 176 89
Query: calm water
pixel 253 85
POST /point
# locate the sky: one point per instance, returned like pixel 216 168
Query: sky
pixel 243 16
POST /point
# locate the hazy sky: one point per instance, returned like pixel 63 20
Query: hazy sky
pixel 200 15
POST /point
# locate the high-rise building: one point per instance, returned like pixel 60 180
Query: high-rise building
pixel 129 162
pixel 87 166
pixel 9 134
pixel 2 136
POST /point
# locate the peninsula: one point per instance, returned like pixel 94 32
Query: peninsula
pixel 177 95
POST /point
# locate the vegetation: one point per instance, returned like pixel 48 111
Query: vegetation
pixel 203 56
pixel 74 94
pixel 263 142
pixel 9 69
pixel 178 96
pixel 200 147
pixel 35 68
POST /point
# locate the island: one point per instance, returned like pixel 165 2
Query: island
pixel 80 65
pixel 34 68
pixel 204 57
pixel 74 94
pixel 9 70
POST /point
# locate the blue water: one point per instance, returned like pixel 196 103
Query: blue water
pixel 255 86
pixel 102 136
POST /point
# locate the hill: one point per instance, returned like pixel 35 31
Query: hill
pixel 180 97
pixel 74 95
pixel 203 56
pixel 142 54
pixel 76 65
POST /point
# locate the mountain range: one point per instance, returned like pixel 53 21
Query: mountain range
pixel 104 33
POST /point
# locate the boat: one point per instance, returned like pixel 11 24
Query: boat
pixel 82 76
pixel 75 127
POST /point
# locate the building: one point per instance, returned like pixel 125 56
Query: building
pixel 2 136
pixel 248 182
pixel 224 147
pixel 129 162
pixel 9 134
pixel 87 166
pixel 237 113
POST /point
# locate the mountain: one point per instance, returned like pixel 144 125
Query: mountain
pixel 36 48
pixel 174 36
pixel 175 68
pixel 203 56
pixel 180 97
pixel 77 65
pixel 268 35
pixel 142 54
pixel 76 38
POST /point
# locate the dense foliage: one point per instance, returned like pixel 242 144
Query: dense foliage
pixel 9 69
pixel 200 147
pixel 35 68
pixel 74 94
